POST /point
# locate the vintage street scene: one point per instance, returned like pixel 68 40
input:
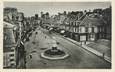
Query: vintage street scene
pixel 57 35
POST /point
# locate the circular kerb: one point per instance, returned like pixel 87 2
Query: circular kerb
pixel 54 58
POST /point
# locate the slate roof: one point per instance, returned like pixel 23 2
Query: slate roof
pixel 92 21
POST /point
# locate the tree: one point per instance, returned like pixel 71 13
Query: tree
pixel 47 13
pixel 64 12
pixel 42 14
pixel 59 13
pixel 99 11
pixel 36 16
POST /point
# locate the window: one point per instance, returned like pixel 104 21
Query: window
pixel 89 29
pixel 74 29
pixel 93 29
pixel 77 30
pixel 12 64
pixel 100 29
pixel 11 54
pixel 103 29
pixel 92 37
pixel 86 29
pixel 5 37
pixel 83 38
pixel 11 59
pixel 82 29
pixel 75 24
pixel 71 23
pixel 12 50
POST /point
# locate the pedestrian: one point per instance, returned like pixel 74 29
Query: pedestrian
pixel 45 37
pixel 44 63
pixel 30 56
pixel 103 55
pixel 36 32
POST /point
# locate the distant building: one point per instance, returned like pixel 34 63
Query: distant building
pixel 10 14
pixel 46 20
pixel 20 16
pixel 59 20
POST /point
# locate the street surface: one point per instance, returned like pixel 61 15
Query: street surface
pixel 79 57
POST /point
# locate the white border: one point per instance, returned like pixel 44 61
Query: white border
pixel 56 70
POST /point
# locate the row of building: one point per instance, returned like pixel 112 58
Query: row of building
pixel 84 26
pixel 16 28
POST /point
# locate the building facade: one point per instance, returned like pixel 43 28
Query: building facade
pixel 10 14
pixel 13 33
pixel 9 46
pixel 87 28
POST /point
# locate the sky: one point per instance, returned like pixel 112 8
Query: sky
pixel 32 8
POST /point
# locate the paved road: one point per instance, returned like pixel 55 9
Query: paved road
pixel 79 57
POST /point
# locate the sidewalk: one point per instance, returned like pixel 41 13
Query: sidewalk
pixel 108 59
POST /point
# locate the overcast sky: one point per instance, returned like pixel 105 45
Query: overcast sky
pixel 30 8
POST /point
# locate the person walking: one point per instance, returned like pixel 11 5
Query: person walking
pixel 30 56
pixel 103 55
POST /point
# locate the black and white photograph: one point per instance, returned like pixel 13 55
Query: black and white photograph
pixel 57 35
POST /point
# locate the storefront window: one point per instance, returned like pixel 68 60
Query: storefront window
pixel 83 38
pixel 92 37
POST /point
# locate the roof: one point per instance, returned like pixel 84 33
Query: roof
pixel 92 21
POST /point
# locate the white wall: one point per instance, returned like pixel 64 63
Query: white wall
pixel 82 29
pixel 89 29
pixel 95 29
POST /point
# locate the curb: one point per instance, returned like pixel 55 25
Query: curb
pixel 56 58
pixel 108 59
